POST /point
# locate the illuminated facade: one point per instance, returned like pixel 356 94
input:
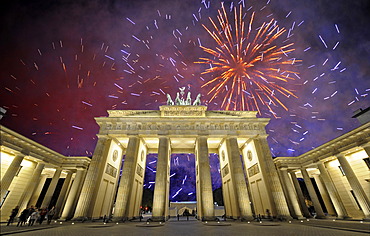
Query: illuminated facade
pixel 252 181
pixel 25 167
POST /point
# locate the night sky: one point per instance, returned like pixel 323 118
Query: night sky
pixel 65 62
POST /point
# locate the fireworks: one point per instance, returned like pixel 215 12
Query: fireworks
pixel 53 86
pixel 249 64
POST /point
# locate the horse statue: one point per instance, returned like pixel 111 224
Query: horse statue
pixel 197 101
pixel 169 100
pixel 188 99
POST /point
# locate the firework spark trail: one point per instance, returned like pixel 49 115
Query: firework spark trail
pixel 57 70
pixel 248 66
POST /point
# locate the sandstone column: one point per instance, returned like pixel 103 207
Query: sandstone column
pixel 85 202
pixel 270 174
pixel 39 186
pixel 63 192
pixel 205 183
pixel 73 195
pixel 239 179
pixel 10 173
pixel 300 196
pixel 291 194
pixel 324 195
pixel 27 194
pixel 51 189
pixel 332 191
pixel 355 185
pixel 160 190
pixel 315 200
pixel 128 174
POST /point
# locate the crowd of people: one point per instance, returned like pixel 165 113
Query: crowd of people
pixel 31 216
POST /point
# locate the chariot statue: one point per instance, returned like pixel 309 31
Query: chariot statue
pixel 181 101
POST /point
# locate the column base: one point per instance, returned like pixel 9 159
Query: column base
pixel 81 218
pixel 158 218
pixel 119 219
pixel 343 218
pixel 320 217
pixel 284 218
pixel 209 218
pixel 246 218
pixel 301 218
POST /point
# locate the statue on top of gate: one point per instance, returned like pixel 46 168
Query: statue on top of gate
pixel 180 100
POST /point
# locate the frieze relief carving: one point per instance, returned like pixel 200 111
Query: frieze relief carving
pixel 186 111
pixel 181 126
pixel 111 170
pixel 120 113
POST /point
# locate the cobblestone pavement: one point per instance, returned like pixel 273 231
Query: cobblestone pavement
pixel 194 228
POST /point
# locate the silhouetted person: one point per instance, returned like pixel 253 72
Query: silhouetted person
pixel 42 215
pixel 13 215
pixel 23 217
pixel 51 214
pixel 33 217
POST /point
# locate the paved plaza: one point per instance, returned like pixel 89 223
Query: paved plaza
pixel 192 228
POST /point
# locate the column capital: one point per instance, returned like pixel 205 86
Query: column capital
pixel 339 154
pixel 22 153
pixel 102 136
pixel 284 168
pixel 292 171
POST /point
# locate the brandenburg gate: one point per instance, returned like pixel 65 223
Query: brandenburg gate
pixel 238 137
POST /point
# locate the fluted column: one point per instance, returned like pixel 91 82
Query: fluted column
pixel 355 185
pixel 332 191
pixel 73 195
pixel 298 190
pixel 128 174
pixel 205 182
pixel 315 200
pixel 271 177
pixel 51 189
pixel 160 189
pixel 27 194
pixel 10 173
pixel 239 179
pixel 291 194
pixel 324 195
pixel 63 192
pixel 85 202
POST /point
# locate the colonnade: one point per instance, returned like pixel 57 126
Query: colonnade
pixel 129 190
pixel 338 185
pixel 30 192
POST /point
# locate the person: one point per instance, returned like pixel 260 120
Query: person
pixel 268 214
pixel 13 215
pixel 43 213
pixel 23 217
pixel 34 216
pixel 51 214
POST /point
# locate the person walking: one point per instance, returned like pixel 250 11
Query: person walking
pixel 34 216
pixel 42 215
pixel 23 217
pixel 13 215
pixel 51 214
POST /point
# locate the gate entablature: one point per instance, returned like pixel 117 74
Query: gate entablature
pixel 182 121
